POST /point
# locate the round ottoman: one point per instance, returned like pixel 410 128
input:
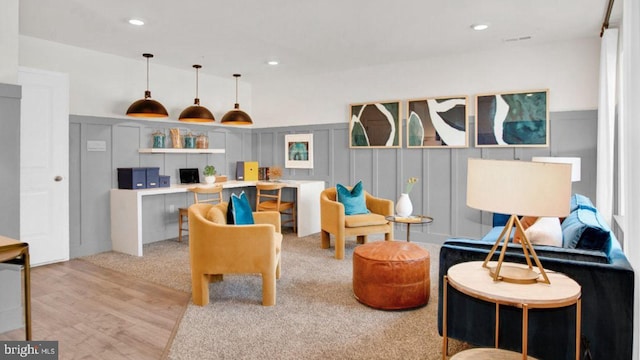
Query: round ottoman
pixel 391 275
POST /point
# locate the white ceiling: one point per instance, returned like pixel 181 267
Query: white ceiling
pixel 306 36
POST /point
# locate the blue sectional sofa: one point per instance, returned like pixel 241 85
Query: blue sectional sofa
pixel 590 254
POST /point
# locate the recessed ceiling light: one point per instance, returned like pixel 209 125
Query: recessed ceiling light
pixel 480 27
pixel 136 22
pixel 272 62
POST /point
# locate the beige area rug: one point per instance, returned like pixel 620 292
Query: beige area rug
pixel 315 316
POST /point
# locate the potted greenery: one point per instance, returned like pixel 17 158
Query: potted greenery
pixel 210 174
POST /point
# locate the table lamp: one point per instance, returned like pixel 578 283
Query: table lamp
pixel 518 188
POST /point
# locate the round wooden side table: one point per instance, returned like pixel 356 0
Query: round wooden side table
pixel 474 280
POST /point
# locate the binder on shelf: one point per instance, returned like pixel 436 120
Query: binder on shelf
pixel 153 177
pixel 263 173
pixel 240 170
pixel 132 178
pixel 250 170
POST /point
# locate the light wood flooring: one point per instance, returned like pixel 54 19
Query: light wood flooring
pixel 97 313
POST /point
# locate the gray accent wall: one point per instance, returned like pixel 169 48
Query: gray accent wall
pixel 440 192
pixel 10 96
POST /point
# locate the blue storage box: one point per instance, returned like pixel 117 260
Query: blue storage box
pixel 153 177
pixel 132 178
pixel 165 180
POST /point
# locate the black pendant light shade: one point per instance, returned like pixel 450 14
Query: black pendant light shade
pixel 147 107
pixel 236 116
pixel 195 112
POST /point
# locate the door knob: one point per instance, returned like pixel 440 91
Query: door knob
pixel 58 178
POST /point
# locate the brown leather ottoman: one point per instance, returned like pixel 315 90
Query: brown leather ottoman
pixel 391 275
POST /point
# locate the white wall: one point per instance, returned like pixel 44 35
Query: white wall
pixel 105 85
pixel 568 69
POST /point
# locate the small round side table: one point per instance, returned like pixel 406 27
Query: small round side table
pixel 413 219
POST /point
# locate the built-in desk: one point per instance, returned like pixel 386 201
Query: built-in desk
pixel 126 210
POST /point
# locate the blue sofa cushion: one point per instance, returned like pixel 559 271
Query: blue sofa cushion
pixel 353 200
pixel 580 202
pixel 584 228
pixel 500 219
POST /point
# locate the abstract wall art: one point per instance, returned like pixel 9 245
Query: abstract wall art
pixel 375 125
pixel 437 122
pixel 513 119
pixel 298 151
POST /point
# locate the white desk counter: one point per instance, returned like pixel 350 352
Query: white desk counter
pixel 126 210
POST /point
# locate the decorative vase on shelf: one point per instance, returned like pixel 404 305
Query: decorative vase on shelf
pixel 404 207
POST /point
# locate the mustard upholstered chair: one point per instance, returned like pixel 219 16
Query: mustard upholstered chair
pixel 334 221
pixel 216 248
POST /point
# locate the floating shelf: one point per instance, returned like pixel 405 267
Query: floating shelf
pixel 180 151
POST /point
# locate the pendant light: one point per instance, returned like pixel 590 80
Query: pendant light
pixel 147 107
pixel 236 116
pixel 195 112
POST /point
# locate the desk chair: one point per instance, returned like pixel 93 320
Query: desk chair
pixel 268 198
pixel 210 195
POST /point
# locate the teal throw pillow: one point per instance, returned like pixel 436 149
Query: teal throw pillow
pixel 353 200
pixel 239 211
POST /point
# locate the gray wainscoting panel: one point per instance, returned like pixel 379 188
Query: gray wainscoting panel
pixel 321 158
pixel 339 156
pixel 10 96
pixel 95 183
pixel 75 214
pixel 465 221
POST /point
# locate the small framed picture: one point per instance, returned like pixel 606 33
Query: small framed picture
pixel 298 151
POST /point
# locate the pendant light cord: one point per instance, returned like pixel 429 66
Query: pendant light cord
pixel 237 89
pixel 147 73
pixel 196 82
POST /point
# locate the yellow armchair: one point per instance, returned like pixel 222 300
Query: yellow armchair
pixel 216 248
pixel 334 221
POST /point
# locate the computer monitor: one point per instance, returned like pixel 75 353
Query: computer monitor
pixel 189 176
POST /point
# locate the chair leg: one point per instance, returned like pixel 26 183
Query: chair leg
pixel 388 236
pixel 179 226
pixel 200 289
pixel 293 217
pixel 362 239
pixel 269 289
pixel 278 269
pixel 326 239
pixel 340 247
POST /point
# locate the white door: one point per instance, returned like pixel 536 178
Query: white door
pixel 44 165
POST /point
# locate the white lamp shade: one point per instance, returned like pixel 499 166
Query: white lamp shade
pixel 574 161
pixel 519 187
